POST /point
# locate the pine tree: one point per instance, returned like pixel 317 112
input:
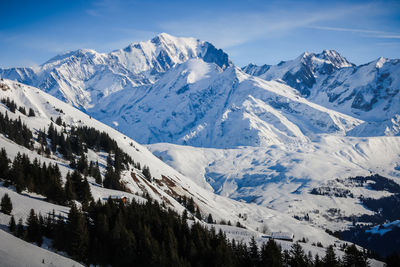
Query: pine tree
pixel 22 110
pixel 271 254
pixel 78 234
pixel 20 229
pixel 330 259
pixel 17 173
pixel 254 256
pixel 49 224
pixel 210 219
pixel 354 257
pixel 69 189
pixel 52 135
pixel 6 205
pixel 86 195
pixel 184 216
pixel 59 121
pixel 198 214
pixel 82 164
pixel 190 206
pixel 60 237
pixel 4 164
pixel 146 172
pixel 318 262
pixel 111 177
pixel 95 172
pixel 33 232
pixel 31 113
pixel 297 257
pixel 11 225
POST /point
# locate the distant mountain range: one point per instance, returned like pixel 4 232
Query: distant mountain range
pixel 186 91
pixel 84 77
pixel 369 92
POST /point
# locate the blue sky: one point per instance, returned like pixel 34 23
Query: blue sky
pixel 254 31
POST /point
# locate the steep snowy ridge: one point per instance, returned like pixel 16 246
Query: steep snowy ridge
pixel 88 80
pixel 84 77
pixel 368 92
pixel 198 103
pixel 301 72
pixel 164 52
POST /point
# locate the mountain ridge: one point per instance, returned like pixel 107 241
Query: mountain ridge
pixel 365 91
pixel 266 140
pixel 83 77
pixel 88 80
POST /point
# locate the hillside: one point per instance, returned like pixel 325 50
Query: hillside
pixel 256 141
pixel 199 104
pixel 166 184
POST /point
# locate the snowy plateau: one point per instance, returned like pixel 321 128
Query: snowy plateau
pixel 257 140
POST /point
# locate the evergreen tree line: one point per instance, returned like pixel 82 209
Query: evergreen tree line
pixel 46 180
pixel 74 144
pixel 118 234
pixel 79 139
pixel 43 179
pixel 12 106
pixel 16 131
pixel 190 206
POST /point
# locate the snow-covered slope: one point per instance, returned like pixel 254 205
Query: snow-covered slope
pixel 266 139
pixel 16 252
pixel 199 104
pixel 84 77
pixel 167 184
pixel 281 177
pixel 369 92
pixel 301 73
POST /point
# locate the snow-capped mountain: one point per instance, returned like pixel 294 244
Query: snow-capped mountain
pixel 301 73
pixel 166 186
pixel 199 104
pixel 84 77
pixel 167 183
pixel 368 92
pixel 266 135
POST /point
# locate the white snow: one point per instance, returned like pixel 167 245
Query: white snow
pixel 220 207
pixel 252 139
pixel 16 252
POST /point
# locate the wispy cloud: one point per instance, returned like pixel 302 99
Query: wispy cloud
pixel 56 45
pixel 238 28
pixel 102 7
pixel 45 43
pixel 365 32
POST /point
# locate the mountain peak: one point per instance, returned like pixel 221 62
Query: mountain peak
pixel 163 37
pixel 328 57
pixel 333 57
pixel 380 62
pixel 180 42
pixel 330 52
pixel 73 53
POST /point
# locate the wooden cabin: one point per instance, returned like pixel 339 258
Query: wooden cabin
pixel 122 198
